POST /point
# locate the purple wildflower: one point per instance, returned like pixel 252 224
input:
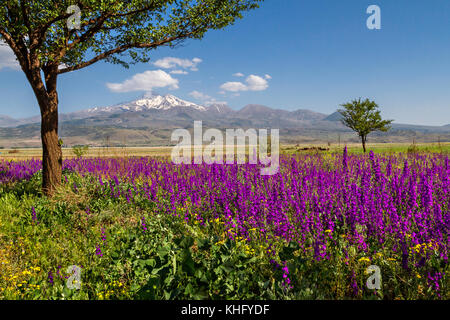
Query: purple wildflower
pixel 143 225
pixel 98 251
pixel 34 215
pixel 50 277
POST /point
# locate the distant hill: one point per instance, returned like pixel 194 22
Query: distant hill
pixel 150 120
pixel 307 115
pixel 336 116
pixel 6 122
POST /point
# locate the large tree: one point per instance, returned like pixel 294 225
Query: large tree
pixel 47 41
pixel 363 117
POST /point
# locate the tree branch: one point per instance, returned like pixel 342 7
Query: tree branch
pixel 25 15
pixel 123 48
pixel 23 60
pixel 98 25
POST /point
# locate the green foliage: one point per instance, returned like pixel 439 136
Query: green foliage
pixel 185 268
pixel 413 149
pixel 363 117
pixel 80 151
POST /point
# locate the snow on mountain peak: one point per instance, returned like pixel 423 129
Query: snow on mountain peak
pixel 151 101
pixel 165 102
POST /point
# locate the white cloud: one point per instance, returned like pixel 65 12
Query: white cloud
pixel 234 86
pixel 178 72
pixel 145 81
pixel 268 77
pixel 172 62
pixel 254 83
pixel 7 57
pixel 238 74
pixel 206 99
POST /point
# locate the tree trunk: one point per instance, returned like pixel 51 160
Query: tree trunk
pixel 51 149
pixel 363 139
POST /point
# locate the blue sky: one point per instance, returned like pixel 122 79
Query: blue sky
pixel 294 54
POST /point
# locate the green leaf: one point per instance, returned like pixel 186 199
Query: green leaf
pixel 186 242
pixel 188 264
pixel 150 262
pixel 163 251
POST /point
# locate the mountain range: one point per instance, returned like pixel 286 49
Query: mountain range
pixel 150 119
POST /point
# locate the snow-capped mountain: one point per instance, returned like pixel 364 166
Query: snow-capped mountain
pixel 149 102
pixel 151 119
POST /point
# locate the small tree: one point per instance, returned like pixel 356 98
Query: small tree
pixel 363 117
pixel 54 37
pixel 80 151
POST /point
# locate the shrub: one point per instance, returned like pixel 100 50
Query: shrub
pixel 413 149
pixel 80 151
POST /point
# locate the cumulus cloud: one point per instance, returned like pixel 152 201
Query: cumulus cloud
pixel 268 77
pixel 172 62
pixel 238 74
pixel 256 83
pixel 234 86
pixel 7 57
pixel 145 81
pixel 253 83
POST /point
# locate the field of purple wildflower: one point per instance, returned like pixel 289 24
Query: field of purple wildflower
pixel 165 231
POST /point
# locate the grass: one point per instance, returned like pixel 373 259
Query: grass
pixel 353 148
pixel 29 153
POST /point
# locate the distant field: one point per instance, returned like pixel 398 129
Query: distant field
pixel 28 153
pixel 376 147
